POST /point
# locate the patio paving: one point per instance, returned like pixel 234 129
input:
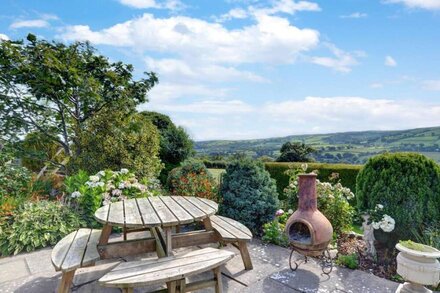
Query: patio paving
pixel 34 273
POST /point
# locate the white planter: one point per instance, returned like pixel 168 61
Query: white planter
pixel 419 268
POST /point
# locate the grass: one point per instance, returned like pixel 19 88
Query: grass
pixel 217 174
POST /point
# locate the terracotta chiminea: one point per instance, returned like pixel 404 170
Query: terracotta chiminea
pixel 309 231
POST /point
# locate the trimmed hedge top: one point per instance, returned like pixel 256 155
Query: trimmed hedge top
pixel 347 173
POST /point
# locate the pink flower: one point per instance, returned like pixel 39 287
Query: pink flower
pixel 279 213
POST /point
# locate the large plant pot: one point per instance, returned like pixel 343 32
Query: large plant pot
pixel 418 268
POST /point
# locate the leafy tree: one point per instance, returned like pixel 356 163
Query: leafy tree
pixel 295 152
pixel 175 144
pixel 130 142
pixel 56 89
pixel 248 194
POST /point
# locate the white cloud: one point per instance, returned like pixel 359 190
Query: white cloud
pixel 431 85
pixel 422 4
pixel 180 71
pixel 389 61
pixel 376 85
pixel 355 15
pixel 4 37
pixel 235 13
pixel 145 4
pixel 271 40
pixel 217 107
pixel 286 6
pixel 32 23
pixel 166 92
pixel 334 114
pixel 342 61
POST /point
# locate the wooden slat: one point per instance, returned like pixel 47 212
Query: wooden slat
pixel 209 202
pixel 183 216
pixel 91 255
pixel 208 210
pixel 148 214
pixel 116 214
pixel 165 269
pixel 76 252
pixel 239 230
pixel 165 215
pixel 223 233
pixel 60 250
pixel 101 214
pixel 132 215
pixel 195 212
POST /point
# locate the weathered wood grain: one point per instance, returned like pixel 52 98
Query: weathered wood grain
pixel 181 214
pixel 165 215
pixel 76 252
pixel 116 214
pixel 149 216
pixel 60 250
pixel 132 216
pixel 194 211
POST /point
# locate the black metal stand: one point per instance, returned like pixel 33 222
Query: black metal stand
pixel 325 259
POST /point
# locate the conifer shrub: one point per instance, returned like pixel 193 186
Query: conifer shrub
pixel 407 185
pixel 248 194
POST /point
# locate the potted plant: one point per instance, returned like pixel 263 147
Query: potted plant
pixel 418 265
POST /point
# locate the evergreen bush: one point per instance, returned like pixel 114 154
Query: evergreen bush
pixel 248 194
pixel 407 185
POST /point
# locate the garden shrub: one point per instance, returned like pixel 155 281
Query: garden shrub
pixel 273 232
pixel 35 225
pixel 88 193
pixel 333 200
pixel 407 185
pixel 192 179
pixel 248 194
pixel 347 173
pixel 14 183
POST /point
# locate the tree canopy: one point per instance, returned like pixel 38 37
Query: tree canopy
pixel 295 152
pixel 55 89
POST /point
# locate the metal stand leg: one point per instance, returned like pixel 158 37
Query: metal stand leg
pixel 297 264
pixel 326 262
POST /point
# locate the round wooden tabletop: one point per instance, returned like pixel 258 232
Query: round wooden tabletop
pixel 156 211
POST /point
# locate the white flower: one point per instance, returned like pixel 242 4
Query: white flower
pixel 379 206
pixel 375 225
pixel 290 211
pixel 100 184
pixel 94 178
pixel 124 171
pixel 116 192
pixel 101 173
pixel 121 185
pixel 75 194
pixel 387 224
pixel 304 167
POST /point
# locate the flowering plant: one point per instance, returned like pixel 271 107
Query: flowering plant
pixel 273 232
pixel 88 193
pixel 380 220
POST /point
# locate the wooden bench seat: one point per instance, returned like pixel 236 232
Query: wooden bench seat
pixel 76 250
pixel 170 270
pixel 231 231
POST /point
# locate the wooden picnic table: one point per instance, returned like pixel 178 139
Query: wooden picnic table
pixel 160 214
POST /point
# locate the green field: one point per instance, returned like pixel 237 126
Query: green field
pixel 217 174
pixel 347 147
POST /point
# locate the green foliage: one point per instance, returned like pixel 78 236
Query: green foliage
pixel 295 152
pixel 14 182
pixel 56 89
pixel 333 200
pixel 175 144
pixel 347 173
pixel 273 232
pixel 115 141
pixel 350 261
pixel 87 193
pixel 248 194
pixel 430 236
pixel 37 150
pixel 192 179
pixel 407 185
pixel 35 225
pixel 414 246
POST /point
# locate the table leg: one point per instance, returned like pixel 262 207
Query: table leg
pixel 207 224
pixel 105 234
pixel 168 241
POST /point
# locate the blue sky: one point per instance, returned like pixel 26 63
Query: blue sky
pixel 239 69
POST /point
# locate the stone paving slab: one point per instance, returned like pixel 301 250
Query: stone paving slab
pixel 33 273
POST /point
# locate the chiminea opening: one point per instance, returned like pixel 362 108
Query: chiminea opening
pixel 299 232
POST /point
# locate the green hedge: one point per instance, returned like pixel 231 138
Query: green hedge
pixel 347 173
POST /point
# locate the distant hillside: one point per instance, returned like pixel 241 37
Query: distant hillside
pixel 346 147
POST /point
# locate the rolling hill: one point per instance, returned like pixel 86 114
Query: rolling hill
pixel 346 147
